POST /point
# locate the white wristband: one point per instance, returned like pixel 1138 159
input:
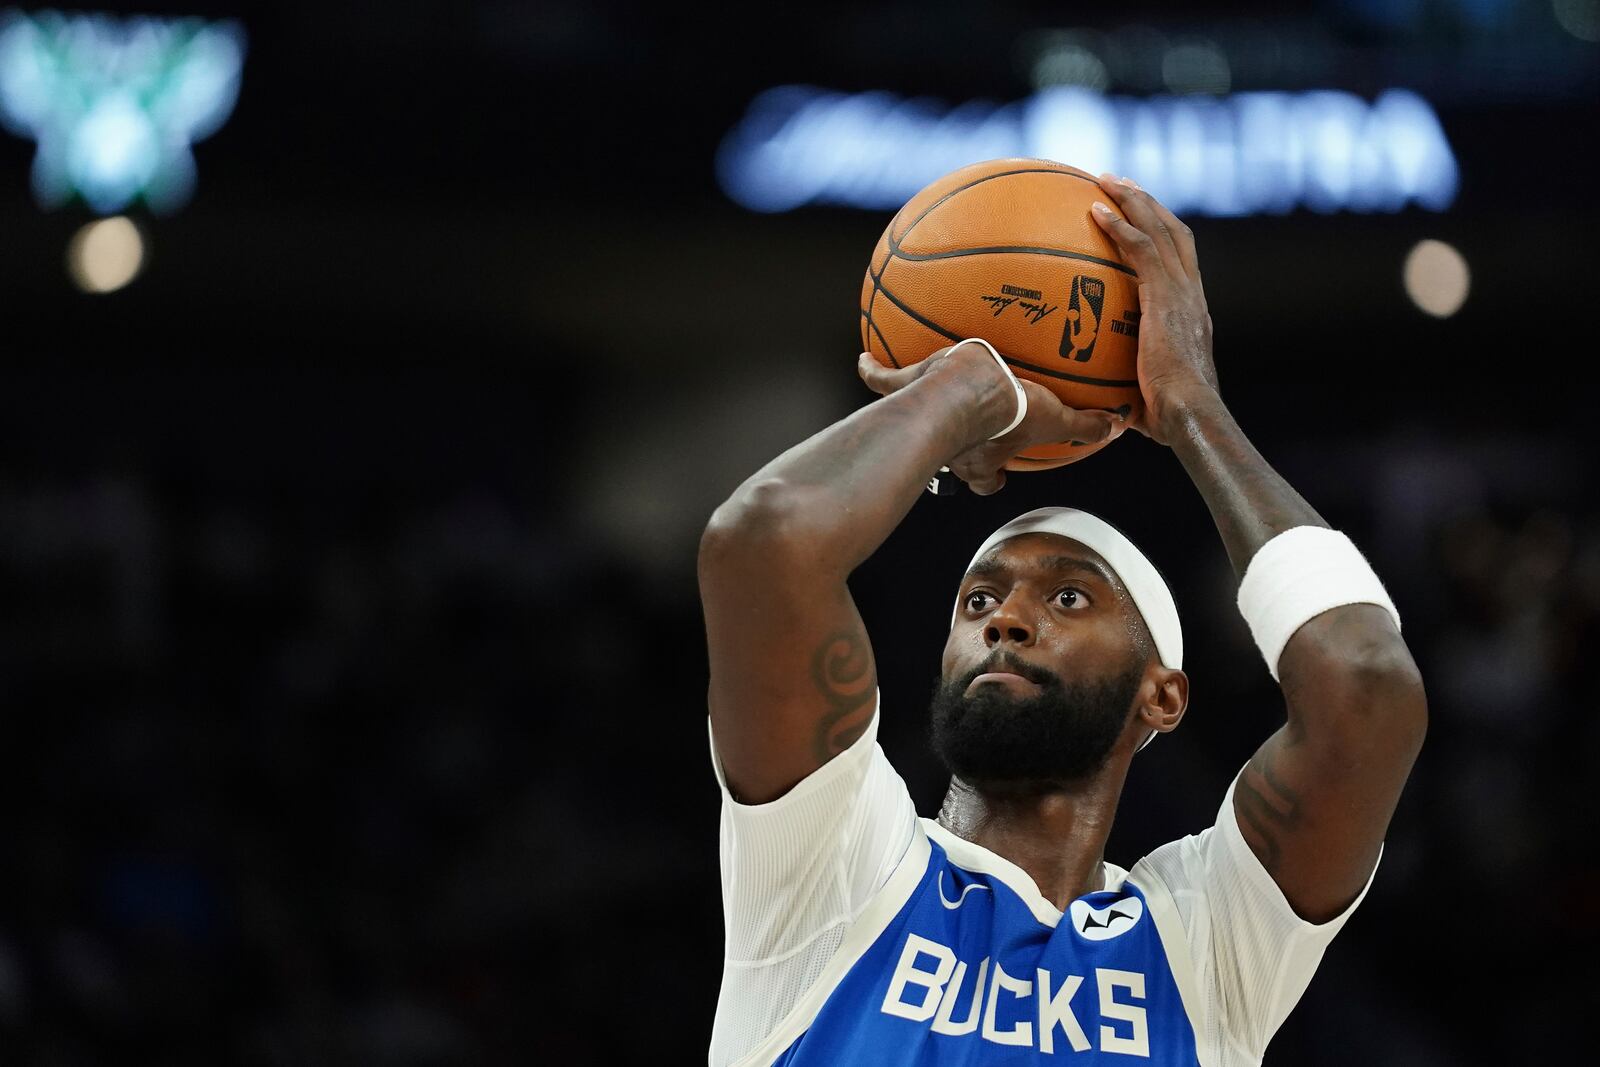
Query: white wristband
pixel 1297 576
pixel 1022 396
pixel 939 487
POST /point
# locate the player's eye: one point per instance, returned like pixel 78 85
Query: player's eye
pixel 1072 598
pixel 978 600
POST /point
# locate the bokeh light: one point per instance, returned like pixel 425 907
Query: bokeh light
pixel 1437 278
pixel 106 255
pixel 1581 18
pixel 1235 154
pixel 1196 67
pixel 116 104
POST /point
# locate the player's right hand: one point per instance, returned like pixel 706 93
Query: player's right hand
pixel 1175 360
pixel 1048 422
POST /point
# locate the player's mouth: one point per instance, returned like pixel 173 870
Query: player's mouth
pixel 1018 685
pixel 1011 671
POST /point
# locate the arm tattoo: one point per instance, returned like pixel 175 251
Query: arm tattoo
pixel 843 672
pixel 1267 805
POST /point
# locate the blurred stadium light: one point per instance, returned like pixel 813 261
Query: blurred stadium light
pixel 1581 18
pixel 116 104
pixel 1533 50
pixel 1241 154
pixel 105 255
pixel 1436 278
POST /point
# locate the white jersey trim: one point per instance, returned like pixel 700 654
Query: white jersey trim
pixel 980 860
pixel 862 935
pixel 1175 939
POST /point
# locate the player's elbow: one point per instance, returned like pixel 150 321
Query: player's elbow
pixel 1350 672
pixel 758 525
pixel 1389 673
pixel 1381 700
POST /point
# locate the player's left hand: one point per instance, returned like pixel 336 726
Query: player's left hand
pixel 1175 362
pixel 1048 420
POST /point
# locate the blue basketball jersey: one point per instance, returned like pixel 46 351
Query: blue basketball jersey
pixel 967 973
pixel 859 933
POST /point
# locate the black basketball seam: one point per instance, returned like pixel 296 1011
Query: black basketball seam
pixel 877 284
pixel 1121 383
pixel 867 312
pixel 894 242
pixel 1010 249
pixel 873 299
pixel 929 323
pixel 942 332
pixel 881 339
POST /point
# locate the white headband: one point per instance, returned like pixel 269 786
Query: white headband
pixel 1139 576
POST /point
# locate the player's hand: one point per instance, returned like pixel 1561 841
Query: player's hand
pixel 1047 422
pixel 1175 362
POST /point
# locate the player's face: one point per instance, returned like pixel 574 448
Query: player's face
pixel 1042 667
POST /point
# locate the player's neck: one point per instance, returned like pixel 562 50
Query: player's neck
pixel 1058 838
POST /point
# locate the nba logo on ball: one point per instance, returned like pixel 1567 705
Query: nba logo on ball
pixel 1083 318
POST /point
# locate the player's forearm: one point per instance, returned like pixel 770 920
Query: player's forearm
pixel 1251 504
pixel 1249 501
pixel 839 494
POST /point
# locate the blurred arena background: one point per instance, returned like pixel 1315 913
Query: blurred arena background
pixel 350 652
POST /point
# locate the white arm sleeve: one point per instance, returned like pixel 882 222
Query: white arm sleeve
pixel 1253 956
pixel 795 874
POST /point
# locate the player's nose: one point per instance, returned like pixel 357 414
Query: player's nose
pixel 1009 623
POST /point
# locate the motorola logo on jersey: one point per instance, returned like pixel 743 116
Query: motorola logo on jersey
pixel 1083 318
pixel 1102 924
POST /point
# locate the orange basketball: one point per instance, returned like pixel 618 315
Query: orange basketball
pixel 1005 250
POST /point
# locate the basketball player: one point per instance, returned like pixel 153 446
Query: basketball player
pixel 858 933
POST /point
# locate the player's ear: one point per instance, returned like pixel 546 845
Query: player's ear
pixel 1163 699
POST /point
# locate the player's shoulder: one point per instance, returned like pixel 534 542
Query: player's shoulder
pixel 1189 862
pixel 1177 867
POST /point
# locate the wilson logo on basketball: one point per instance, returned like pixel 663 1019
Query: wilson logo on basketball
pixel 1083 318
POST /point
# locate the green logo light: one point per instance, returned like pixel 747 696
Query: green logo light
pixel 116 104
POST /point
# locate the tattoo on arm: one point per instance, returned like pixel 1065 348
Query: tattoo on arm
pixel 843 672
pixel 1267 805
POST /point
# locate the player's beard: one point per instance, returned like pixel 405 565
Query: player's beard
pixel 1063 734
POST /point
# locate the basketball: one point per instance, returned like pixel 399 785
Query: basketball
pixel 1006 250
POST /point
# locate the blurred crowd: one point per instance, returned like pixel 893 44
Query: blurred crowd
pixel 301 783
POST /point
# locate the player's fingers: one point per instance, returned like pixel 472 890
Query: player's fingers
pixel 1084 427
pixel 1182 237
pixel 885 380
pixel 1137 247
pixel 987 483
pixel 1135 205
pixel 977 466
pixel 1051 422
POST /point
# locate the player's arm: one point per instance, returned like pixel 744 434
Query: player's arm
pixel 792 676
pixel 1315 801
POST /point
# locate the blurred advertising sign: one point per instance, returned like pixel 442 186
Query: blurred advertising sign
pixel 1244 153
pixel 115 104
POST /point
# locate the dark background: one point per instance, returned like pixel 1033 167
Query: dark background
pixel 350 653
